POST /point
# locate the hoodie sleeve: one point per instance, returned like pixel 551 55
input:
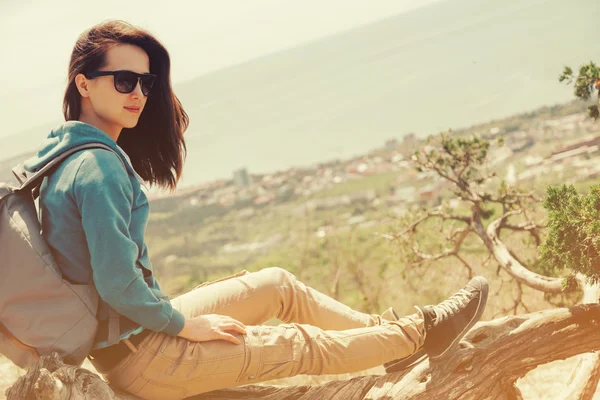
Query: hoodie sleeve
pixel 104 197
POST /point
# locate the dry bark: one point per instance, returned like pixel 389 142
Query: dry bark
pixel 486 365
pixel 584 379
pixel 583 382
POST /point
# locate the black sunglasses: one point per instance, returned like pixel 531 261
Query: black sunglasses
pixel 126 81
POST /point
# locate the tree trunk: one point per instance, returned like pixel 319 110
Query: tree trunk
pixel 486 364
pixel 584 379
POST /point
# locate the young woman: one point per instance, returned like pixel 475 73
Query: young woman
pixel 119 93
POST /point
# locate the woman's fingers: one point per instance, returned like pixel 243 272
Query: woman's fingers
pixel 241 326
pixel 232 321
pixel 229 338
pixel 235 321
pixel 234 327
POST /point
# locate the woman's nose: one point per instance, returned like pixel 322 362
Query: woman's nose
pixel 137 91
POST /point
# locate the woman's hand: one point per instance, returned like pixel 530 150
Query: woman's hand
pixel 211 327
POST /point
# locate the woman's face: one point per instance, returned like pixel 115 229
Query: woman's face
pixel 102 104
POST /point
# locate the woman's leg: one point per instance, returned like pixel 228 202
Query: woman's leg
pixel 256 297
pixel 166 367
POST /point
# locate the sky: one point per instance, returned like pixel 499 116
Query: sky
pixel 37 37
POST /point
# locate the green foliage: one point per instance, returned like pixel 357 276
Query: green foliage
pixel 462 150
pixel 454 158
pixel 573 239
pixel 587 83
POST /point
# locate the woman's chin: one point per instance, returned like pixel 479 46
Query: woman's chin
pixel 130 124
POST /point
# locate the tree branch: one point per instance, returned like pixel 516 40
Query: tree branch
pixel 510 263
pixel 462 234
pixel 466 264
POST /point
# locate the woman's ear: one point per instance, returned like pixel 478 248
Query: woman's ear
pixel 82 85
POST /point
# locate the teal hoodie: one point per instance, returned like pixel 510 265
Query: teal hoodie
pixel 94 214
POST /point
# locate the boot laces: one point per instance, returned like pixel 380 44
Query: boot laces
pixel 452 305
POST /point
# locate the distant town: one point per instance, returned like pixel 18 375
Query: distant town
pixel 250 191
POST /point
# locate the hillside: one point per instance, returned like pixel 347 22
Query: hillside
pixel 450 64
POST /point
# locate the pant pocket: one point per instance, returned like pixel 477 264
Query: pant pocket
pixel 280 352
pixel 241 273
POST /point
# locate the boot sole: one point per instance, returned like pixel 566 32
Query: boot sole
pixel 406 363
pixel 480 308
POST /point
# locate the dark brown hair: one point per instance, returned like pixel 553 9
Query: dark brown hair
pixel 155 145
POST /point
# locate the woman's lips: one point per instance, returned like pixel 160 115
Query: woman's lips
pixel 132 109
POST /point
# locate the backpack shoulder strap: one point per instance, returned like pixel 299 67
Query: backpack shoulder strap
pixel 20 173
pixel 33 182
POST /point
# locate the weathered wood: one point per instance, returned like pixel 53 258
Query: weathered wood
pixel 51 379
pixel 584 379
pixel 486 364
pixel 583 382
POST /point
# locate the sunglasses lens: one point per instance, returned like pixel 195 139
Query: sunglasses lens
pixel 125 82
pixel 147 83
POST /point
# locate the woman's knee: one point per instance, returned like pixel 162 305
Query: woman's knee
pixel 277 277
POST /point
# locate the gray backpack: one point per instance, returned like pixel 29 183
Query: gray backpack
pixel 40 312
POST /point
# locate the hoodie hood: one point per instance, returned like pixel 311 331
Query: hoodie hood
pixel 69 135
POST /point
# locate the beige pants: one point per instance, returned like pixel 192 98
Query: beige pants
pixel 319 336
